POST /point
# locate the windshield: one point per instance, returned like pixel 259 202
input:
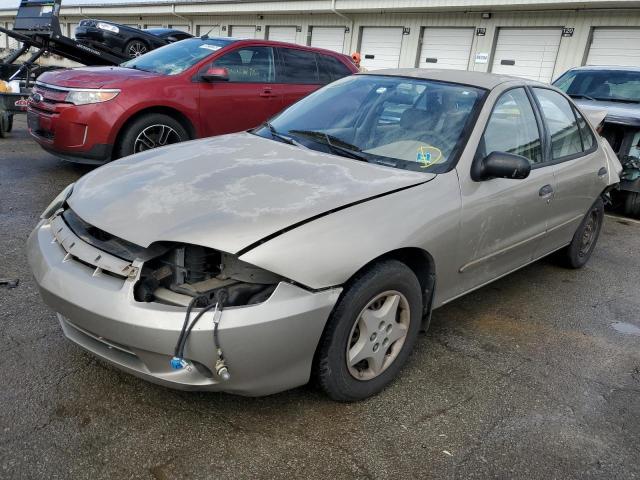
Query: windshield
pixel 604 85
pixel 405 123
pixel 177 57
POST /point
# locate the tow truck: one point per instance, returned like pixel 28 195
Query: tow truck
pixel 37 30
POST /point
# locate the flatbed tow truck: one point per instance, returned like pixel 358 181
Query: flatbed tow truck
pixel 37 29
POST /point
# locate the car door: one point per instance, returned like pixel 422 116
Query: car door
pixel 504 220
pixel 298 69
pixel 579 167
pixel 248 98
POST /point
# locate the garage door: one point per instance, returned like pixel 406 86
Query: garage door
pixel 446 48
pixel 182 28
pixel 527 52
pixel 211 30
pixel 242 31
pixel 380 47
pixel 282 34
pixel 331 38
pixel 615 46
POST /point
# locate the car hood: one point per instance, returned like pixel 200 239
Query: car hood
pixel 620 113
pixel 93 77
pixel 226 192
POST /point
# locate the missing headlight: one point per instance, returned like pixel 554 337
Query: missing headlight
pixel 189 271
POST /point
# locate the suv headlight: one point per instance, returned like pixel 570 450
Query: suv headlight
pixel 57 202
pixel 84 97
pixel 108 27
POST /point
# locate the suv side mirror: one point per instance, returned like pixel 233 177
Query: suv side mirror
pixel 215 74
pixel 502 165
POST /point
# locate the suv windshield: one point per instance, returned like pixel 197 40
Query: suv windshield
pixel 406 123
pixel 175 58
pixel 604 85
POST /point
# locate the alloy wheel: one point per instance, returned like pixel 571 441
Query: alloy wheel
pixel 378 335
pixel 136 48
pixel 155 136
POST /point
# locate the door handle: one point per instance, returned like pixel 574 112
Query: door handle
pixel 602 172
pixel 546 192
pixel 267 93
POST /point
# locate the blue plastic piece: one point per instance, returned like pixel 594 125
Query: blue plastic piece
pixel 178 363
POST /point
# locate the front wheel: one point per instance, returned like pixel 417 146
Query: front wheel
pixel 151 131
pixel 578 252
pixel 370 333
pixel 135 48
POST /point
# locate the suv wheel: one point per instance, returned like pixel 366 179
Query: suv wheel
pixel 370 333
pixel 151 131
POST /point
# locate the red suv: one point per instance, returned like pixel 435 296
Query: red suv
pixel 193 88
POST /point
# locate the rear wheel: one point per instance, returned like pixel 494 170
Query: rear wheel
pixel 577 254
pixel 10 123
pixel 135 48
pixel 632 204
pixel 151 131
pixel 370 333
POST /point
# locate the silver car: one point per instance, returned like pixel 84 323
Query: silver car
pixel 317 245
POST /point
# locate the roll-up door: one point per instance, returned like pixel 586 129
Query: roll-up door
pixel 527 52
pixel 243 31
pixel 211 30
pixel 380 47
pixel 448 48
pixel 282 34
pixel 331 38
pixel 615 46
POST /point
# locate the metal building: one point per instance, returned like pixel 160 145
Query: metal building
pixel 538 39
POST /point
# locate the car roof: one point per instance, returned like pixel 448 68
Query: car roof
pixel 475 79
pixel 620 68
pixel 283 44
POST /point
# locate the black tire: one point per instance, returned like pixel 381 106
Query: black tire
pixel 136 47
pixel 578 252
pixel 3 124
pixel 330 366
pixel 131 143
pixel 632 204
pixel 9 126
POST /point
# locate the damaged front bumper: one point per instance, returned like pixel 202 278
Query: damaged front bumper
pixel 268 347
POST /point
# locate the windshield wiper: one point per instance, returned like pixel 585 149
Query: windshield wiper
pixel 344 149
pixel 581 95
pixel 279 136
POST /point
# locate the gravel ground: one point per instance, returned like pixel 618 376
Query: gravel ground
pixel 531 377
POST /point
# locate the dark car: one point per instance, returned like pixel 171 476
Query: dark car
pixel 195 88
pixel 617 91
pixel 124 40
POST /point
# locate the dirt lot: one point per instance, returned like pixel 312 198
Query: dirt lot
pixel 526 378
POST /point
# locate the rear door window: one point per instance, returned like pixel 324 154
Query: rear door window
pixel 299 66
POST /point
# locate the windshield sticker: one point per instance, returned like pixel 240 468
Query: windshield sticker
pixel 213 48
pixel 428 155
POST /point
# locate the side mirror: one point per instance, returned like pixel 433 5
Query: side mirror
pixel 215 74
pixel 502 165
